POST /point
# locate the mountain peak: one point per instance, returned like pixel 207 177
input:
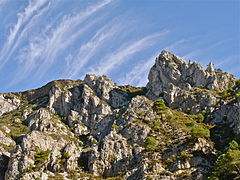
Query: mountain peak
pixel 93 128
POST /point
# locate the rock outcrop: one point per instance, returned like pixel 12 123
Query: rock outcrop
pixel 95 129
pixel 185 85
pixel 8 103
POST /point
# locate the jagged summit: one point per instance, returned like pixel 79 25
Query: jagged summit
pixel 95 129
pixel 176 81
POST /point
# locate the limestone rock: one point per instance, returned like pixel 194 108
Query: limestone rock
pixel 94 129
pixel 174 79
pixel 8 103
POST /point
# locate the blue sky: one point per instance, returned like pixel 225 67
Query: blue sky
pixel 44 40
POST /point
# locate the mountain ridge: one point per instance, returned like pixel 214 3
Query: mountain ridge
pixel 174 128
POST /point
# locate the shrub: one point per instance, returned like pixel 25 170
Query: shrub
pixel 185 155
pixel 112 158
pixel 199 131
pixel 227 93
pixel 200 117
pixel 151 144
pixel 66 155
pixel 233 145
pixel 218 70
pixel 237 83
pixel 116 116
pixel 190 123
pixel 159 106
pixel 156 125
pixel 227 165
pixel 41 157
pixel 204 112
pixel 237 95
pixel 114 126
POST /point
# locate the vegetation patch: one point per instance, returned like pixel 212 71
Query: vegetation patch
pixel 159 107
pixel 41 157
pixel 65 157
pixel 14 120
pixel 133 91
pixel 227 166
pixel 114 126
pixel 200 132
pixel 185 155
pixel 151 144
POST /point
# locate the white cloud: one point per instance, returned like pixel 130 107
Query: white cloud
pixel 112 60
pixel 138 75
pixel 65 34
pixel 24 20
pixel 176 45
pixel 90 48
pixel 228 60
pixel 200 51
pixel 41 50
pixel 2 2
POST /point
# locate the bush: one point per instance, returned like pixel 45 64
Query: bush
pixel 116 116
pixel 237 95
pixel 200 117
pixel 156 125
pixel 151 144
pixel 41 157
pixel 114 126
pixel 237 83
pixel 159 106
pixel 66 155
pixel 199 131
pixel 218 70
pixel 204 112
pixel 227 93
pixel 228 165
pixel 185 155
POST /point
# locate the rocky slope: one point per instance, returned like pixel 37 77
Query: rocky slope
pixel 177 127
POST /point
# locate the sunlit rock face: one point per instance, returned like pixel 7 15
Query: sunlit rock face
pixel 186 86
pixel 95 129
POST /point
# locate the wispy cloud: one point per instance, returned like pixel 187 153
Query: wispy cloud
pixel 138 75
pixel 2 2
pixel 177 45
pixel 42 49
pixel 24 18
pixel 199 51
pixel 112 60
pixel 66 33
pixel 90 48
pixel 229 63
pixel 228 60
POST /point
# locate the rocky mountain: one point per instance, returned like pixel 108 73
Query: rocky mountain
pixel 184 124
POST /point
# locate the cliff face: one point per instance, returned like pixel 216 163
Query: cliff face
pixel 186 86
pixel 94 129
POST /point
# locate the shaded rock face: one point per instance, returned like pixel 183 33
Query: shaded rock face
pixel 94 129
pixel 175 80
pixel 228 114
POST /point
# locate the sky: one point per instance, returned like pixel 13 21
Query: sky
pixel 45 40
